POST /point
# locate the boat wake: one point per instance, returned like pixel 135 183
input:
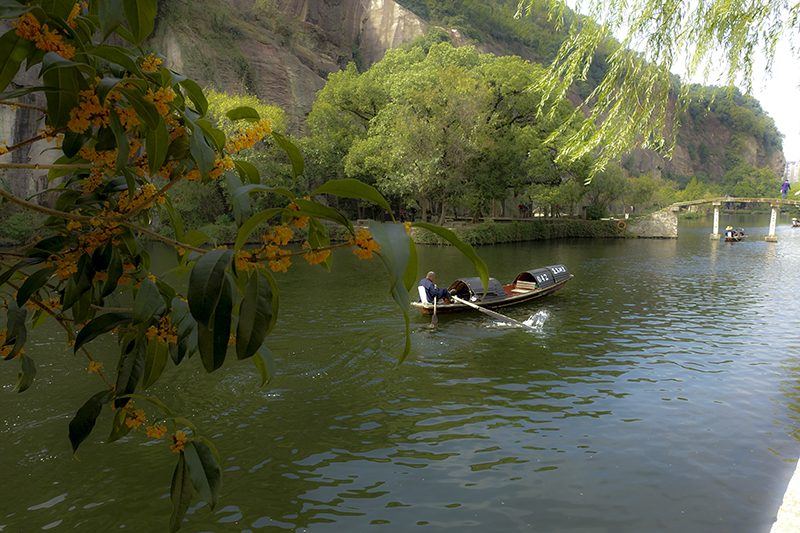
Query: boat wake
pixel 538 319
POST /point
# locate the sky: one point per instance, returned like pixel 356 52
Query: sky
pixel 780 98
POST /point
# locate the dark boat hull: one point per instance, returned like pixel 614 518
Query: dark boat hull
pixel 513 295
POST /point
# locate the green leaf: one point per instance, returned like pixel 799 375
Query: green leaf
pixel 26 374
pixel 115 271
pixel 16 331
pixel 63 96
pixel 180 492
pixel 118 426
pixel 9 9
pixel 156 144
pixel 17 93
pixel 129 372
pixel 202 153
pixel 217 137
pixel 52 61
pixel 155 360
pixel 206 284
pixel 298 166
pixel 35 281
pixel 319 238
pixel 99 325
pixel 110 14
pixel 265 364
pixel 195 238
pixel 204 470
pixel 213 341
pixel 247 171
pixel 350 188
pixel 241 205
pixel 243 113
pixel 196 95
pixel 117 55
pixel 147 302
pixel 15 50
pixel 410 275
pixel 141 16
pixel 395 253
pixel 22 264
pixel 462 247
pixel 255 316
pixel 83 423
pixel 123 144
pixel 248 227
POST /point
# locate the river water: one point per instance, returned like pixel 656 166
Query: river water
pixel 659 395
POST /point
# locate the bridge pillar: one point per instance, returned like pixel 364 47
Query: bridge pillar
pixel 772 219
pixel 715 234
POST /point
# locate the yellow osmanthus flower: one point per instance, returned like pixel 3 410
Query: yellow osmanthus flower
pixel 178 441
pixel 249 137
pixel 165 332
pixel 314 256
pixel 94 366
pixel 408 226
pixel 52 304
pixel 76 10
pixel 135 418
pixel 151 63
pixel 156 431
pixel 365 244
pixel 29 28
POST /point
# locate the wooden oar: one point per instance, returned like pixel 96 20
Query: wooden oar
pixel 495 315
pixel 435 319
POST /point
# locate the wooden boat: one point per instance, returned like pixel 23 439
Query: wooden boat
pixel 734 235
pixel 527 286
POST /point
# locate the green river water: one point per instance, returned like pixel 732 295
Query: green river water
pixel 660 394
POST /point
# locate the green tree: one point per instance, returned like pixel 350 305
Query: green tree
pixel 607 187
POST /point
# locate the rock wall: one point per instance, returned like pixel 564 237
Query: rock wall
pixel 660 225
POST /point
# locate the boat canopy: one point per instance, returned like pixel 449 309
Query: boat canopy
pixel 545 277
pixel 471 289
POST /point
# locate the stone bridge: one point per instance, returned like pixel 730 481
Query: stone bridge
pixel 775 204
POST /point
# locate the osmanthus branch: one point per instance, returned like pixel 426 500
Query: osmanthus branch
pixel 38 166
pixel 70 334
pixel 155 235
pixel 161 192
pixel 42 209
pixel 43 135
pixel 332 247
pixel 26 106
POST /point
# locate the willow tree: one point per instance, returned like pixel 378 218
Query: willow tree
pixel 632 102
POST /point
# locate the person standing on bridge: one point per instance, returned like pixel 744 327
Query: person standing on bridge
pixel 785 188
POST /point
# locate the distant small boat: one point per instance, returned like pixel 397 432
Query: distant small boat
pixel 527 286
pixel 734 235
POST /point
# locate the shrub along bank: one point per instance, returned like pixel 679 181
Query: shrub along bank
pixel 491 232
